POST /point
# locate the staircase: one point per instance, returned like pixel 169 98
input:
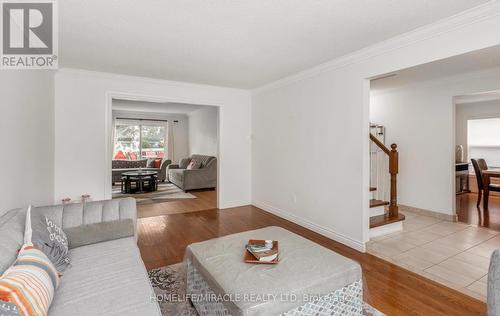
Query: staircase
pixel 384 215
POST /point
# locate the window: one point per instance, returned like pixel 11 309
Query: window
pixel 483 140
pixel 135 140
pixel 153 141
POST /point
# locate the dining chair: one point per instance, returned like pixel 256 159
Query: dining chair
pixel 480 165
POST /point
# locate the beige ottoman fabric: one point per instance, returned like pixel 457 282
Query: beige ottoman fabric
pixel 306 271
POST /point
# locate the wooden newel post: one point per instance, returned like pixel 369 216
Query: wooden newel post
pixel 393 170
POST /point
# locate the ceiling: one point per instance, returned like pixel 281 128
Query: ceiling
pixel 155 107
pixel 234 43
pixel 483 59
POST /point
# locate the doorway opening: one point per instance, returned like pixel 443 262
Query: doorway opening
pixel 477 153
pixel 427 110
pixel 164 155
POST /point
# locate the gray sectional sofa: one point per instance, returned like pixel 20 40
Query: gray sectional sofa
pixel 120 166
pixel 105 278
pixel 205 177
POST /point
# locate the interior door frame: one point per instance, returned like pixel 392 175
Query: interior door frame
pixel 108 152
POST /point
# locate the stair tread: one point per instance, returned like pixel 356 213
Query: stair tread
pixel 381 220
pixel 373 189
pixel 376 203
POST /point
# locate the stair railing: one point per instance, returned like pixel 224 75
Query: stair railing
pixel 393 171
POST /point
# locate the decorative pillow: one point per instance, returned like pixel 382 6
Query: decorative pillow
pixel 8 309
pixel 44 234
pixel 151 163
pixel 157 163
pixel 194 165
pixel 30 282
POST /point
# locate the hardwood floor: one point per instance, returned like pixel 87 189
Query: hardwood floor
pixel 205 200
pixel 468 212
pixel 389 288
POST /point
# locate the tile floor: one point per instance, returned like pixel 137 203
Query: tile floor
pixel 454 254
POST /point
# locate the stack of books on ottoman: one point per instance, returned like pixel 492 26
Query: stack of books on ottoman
pixel 261 251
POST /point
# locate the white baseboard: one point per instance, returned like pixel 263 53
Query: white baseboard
pixel 230 204
pixel 355 244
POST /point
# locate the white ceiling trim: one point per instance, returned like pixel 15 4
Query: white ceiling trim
pixel 477 97
pixel 465 18
pixel 115 76
pixel 441 81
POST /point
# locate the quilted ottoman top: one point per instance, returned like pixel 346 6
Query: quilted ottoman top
pixel 305 271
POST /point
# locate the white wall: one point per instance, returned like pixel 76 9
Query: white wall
pixel 310 131
pixel 203 131
pixel 180 129
pixel 81 120
pixel 470 111
pixel 420 119
pixel 26 126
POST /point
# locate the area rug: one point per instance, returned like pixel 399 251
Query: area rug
pixel 169 282
pixel 166 192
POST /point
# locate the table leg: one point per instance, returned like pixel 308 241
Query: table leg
pixel 140 184
pixel 486 191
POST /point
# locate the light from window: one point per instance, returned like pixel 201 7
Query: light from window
pixel 137 141
pixel 483 140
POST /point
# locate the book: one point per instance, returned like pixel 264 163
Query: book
pixel 262 251
pixel 254 248
pixel 268 255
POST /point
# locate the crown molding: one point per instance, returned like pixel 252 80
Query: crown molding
pixel 456 78
pixel 460 20
pixel 477 97
pixel 116 76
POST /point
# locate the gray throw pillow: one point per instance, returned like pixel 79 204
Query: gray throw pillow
pixel 150 163
pixel 8 309
pixel 45 235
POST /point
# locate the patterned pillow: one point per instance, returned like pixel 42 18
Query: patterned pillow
pixel 29 283
pixel 8 309
pixel 194 165
pixel 150 163
pixel 44 234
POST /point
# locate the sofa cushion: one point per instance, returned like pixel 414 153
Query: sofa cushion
pixel 106 278
pixel 99 232
pixel 184 163
pixel 122 164
pixel 11 236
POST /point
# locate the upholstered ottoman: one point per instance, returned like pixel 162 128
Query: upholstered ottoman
pixel 308 280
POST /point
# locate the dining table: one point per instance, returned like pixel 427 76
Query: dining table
pixel 487 175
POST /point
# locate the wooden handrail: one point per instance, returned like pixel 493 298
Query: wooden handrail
pixel 393 170
pixel 379 144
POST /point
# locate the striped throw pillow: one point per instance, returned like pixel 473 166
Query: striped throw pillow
pixel 30 282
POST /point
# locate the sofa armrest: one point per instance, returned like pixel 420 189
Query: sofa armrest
pixel 162 174
pixel 84 215
pixel 165 164
pixel 493 292
pixel 173 166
